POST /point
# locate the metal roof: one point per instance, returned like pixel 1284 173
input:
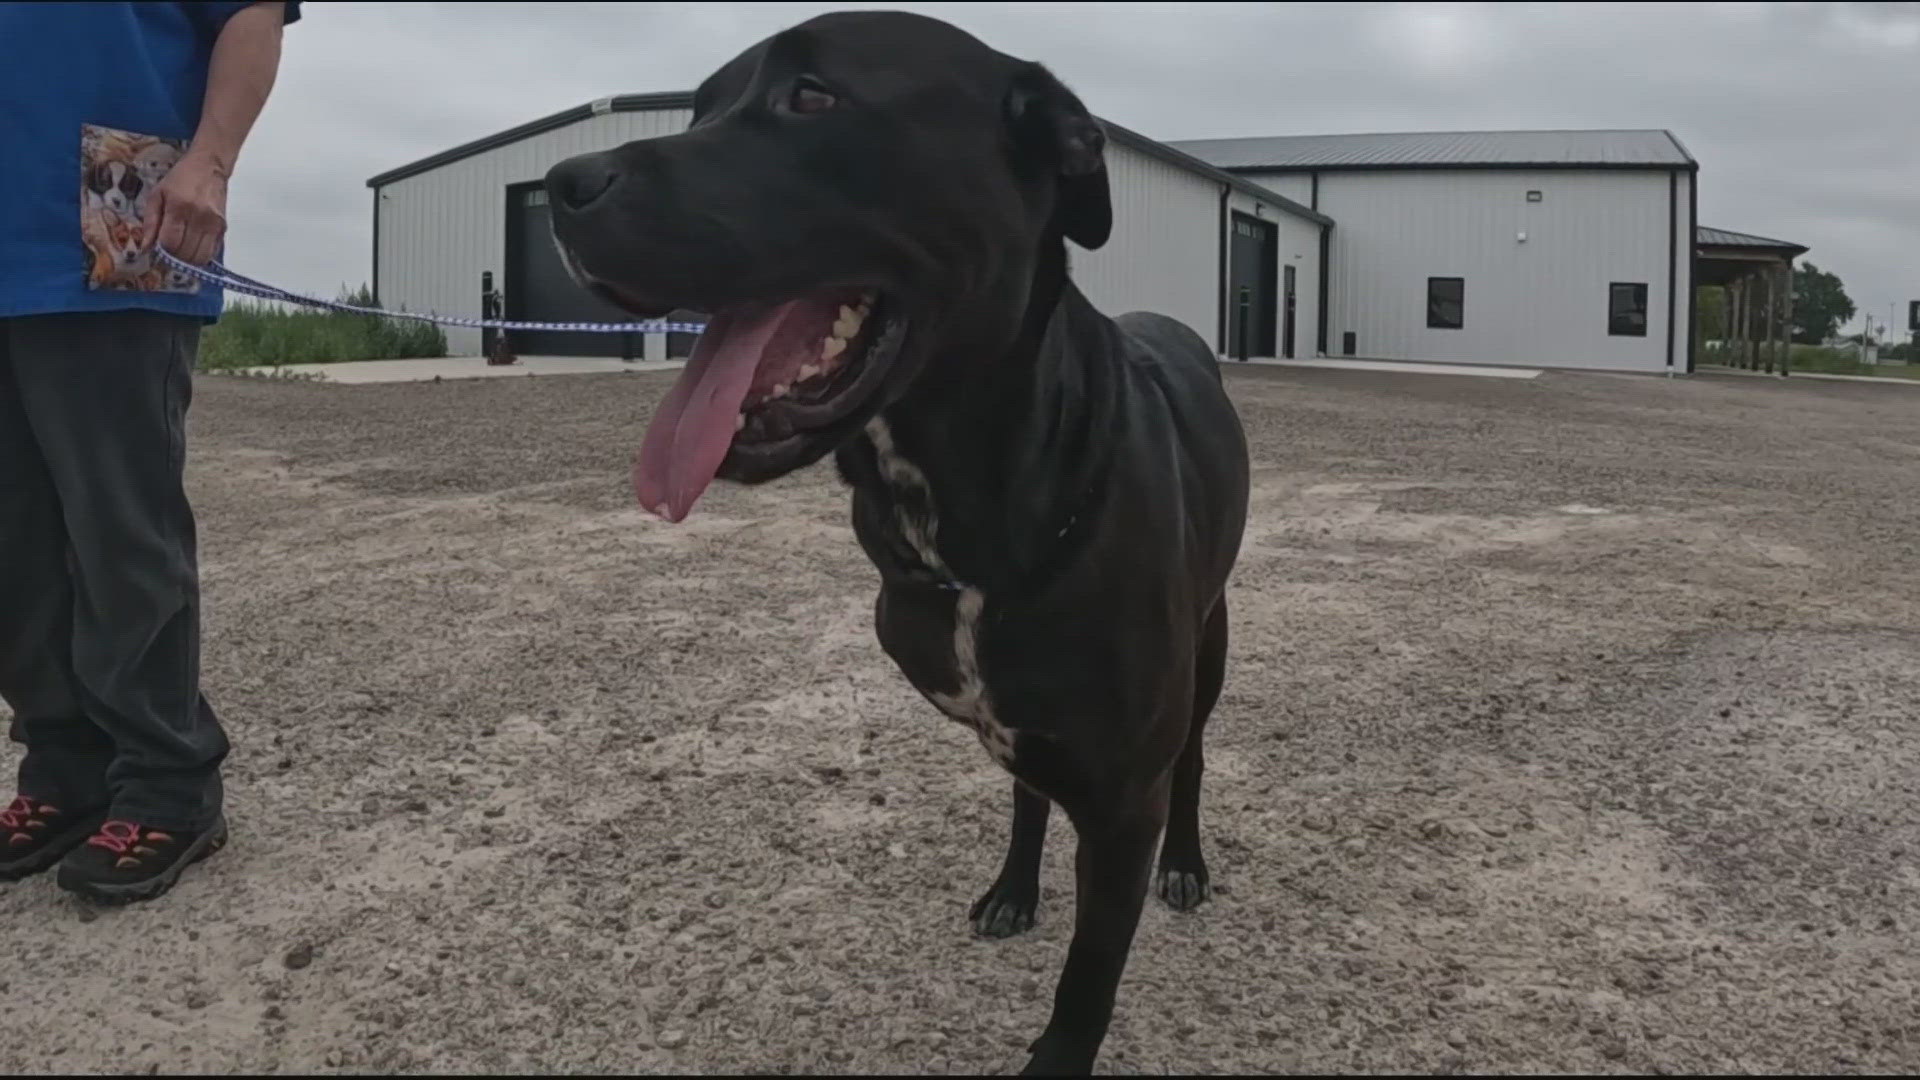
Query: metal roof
pixel 1173 155
pixel 1706 237
pixel 684 100
pixel 1650 149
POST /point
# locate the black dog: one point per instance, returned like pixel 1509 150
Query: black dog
pixel 873 207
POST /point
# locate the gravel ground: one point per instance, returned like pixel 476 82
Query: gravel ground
pixel 1570 727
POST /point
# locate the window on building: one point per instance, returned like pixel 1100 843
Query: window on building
pixel 1446 302
pixel 1627 309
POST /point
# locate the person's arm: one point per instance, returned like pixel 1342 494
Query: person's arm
pixel 188 212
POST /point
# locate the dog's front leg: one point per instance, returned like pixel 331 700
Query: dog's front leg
pixel 1008 906
pixel 1111 869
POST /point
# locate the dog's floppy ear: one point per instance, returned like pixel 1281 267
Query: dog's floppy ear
pixel 1053 131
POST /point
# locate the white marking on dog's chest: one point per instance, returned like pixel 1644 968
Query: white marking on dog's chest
pixel 971 703
pixel 913 509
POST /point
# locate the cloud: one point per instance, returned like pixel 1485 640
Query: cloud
pixel 1439 40
pixel 1801 113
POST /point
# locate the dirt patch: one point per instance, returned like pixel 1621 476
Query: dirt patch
pixel 1569 727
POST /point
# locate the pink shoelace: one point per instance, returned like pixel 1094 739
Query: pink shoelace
pixel 121 837
pixel 21 817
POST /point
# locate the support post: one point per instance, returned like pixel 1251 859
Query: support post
pixel 1779 323
pixel 489 309
pixel 1699 331
pixel 498 349
pixel 1773 283
pixel 1742 324
pixel 1737 325
pixel 1245 313
pixel 1786 318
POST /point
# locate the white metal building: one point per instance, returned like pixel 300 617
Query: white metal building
pixel 1543 248
pixel 1188 239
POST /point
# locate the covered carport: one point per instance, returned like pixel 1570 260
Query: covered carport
pixel 1756 275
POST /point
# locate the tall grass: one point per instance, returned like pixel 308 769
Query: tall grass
pixel 257 334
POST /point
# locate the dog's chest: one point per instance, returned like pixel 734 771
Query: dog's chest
pixel 970 702
pixel 940 656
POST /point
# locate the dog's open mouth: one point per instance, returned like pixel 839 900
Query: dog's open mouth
pixel 762 385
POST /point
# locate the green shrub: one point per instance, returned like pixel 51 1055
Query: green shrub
pixel 257 334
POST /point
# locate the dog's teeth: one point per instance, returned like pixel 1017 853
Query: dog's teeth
pixel 739 421
pixel 808 371
pixel 780 390
pixel 834 347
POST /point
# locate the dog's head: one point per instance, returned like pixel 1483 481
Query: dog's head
pixel 861 204
pixel 154 160
pixel 116 185
pixel 124 244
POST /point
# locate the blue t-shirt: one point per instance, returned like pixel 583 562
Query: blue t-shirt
pixel 126 80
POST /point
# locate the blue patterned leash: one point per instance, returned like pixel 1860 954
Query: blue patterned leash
pixel 217 274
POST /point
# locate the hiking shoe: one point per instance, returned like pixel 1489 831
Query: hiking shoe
pixel 34 835
pixel 126 861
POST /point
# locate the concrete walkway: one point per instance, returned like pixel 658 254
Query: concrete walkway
pixel 1718 370
pixel 457 367
pixel 475 367
pixel 1476 370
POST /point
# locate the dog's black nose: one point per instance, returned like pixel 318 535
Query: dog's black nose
pixel 576 182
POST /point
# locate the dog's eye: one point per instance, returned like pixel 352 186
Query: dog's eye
pixel 810 97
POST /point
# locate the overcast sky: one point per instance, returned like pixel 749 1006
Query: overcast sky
pixel 1805 116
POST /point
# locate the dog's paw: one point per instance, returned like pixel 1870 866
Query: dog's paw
pixel 1006 909
pixel 1056 1056
pixel 1183 890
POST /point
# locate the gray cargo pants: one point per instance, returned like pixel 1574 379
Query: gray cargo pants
pixel 99 577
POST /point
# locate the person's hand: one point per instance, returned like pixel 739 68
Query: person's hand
pixel 187 213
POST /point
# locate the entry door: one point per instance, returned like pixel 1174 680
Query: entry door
pixel 1254 263
pixel 1286 312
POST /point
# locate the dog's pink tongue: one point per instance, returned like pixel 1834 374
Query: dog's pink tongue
pixel 694 426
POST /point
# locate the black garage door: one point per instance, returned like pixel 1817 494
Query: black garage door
pixel 1253 262
pixel 538 289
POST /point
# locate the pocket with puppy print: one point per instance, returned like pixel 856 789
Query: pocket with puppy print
pixel 118 172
